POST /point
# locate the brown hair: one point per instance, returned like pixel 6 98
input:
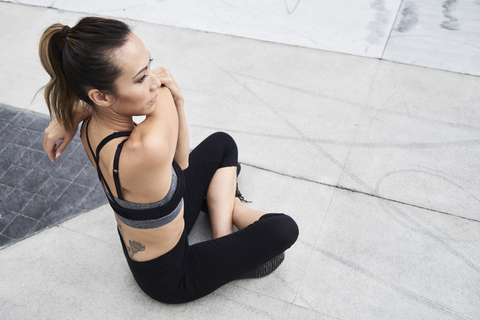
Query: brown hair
pixel 79 59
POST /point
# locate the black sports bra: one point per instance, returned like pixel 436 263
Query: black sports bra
pixel 139 215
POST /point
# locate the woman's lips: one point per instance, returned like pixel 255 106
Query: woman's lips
pixel 153 100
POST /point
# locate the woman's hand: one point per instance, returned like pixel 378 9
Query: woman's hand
pixel 165 77
pixel 54 133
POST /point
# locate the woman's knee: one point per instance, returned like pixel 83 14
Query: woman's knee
pixel 223 138
pixel 290 229
pixel 229 148
pixel 285 227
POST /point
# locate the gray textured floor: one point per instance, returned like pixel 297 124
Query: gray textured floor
pixel 35 193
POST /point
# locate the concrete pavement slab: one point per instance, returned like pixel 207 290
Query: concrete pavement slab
pixel 437 34
pixel 360 28
pixel 420 142
pixel 382 260
pixel 308 123
pixel 21 74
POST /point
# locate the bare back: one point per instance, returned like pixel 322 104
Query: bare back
pixel 145 173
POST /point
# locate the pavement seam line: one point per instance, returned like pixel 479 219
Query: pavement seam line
pixel 360 192
pixel 81 233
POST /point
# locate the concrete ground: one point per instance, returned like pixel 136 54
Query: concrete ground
pixel 376 161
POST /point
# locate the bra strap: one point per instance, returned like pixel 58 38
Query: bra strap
pixel 115 170
pixel 96 157
pixel 86 136
pixel 109 138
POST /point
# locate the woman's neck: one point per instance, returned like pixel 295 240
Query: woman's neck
pixel 112 122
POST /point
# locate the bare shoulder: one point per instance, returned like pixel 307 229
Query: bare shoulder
pixel 147 155
pixel 145 170
pixel 156 137
pixel 141 152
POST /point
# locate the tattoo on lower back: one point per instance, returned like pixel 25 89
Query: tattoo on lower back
pixel 133 247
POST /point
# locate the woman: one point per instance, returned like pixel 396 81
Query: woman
pixel 100 72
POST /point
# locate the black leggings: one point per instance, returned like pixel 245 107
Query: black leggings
pixel 188 272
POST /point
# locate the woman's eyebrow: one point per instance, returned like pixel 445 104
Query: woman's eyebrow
pixel 140 72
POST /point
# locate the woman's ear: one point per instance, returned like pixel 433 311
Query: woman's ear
pixel 100 99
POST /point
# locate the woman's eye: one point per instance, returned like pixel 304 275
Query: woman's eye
pixel 142 78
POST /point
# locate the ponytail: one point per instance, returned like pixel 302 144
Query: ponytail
pixel 79 59
pixel 59 96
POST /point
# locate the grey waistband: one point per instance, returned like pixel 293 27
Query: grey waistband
pixel 154 223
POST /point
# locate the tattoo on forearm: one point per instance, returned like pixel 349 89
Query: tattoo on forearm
pixel 133 247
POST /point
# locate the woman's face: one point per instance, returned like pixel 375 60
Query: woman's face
pixel 137 85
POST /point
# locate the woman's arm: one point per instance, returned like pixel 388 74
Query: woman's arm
pixel 55 132
pixel 182 150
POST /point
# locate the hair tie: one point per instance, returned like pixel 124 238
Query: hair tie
pixel 64 31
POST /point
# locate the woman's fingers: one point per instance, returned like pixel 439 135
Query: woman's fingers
pixel 51 150
pixel 165 77
pixel 54 133
pixel 49 144
pixel 61 147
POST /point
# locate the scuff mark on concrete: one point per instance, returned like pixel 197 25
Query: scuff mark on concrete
pixel 409 18
pixel 451 23
pixel 377 26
